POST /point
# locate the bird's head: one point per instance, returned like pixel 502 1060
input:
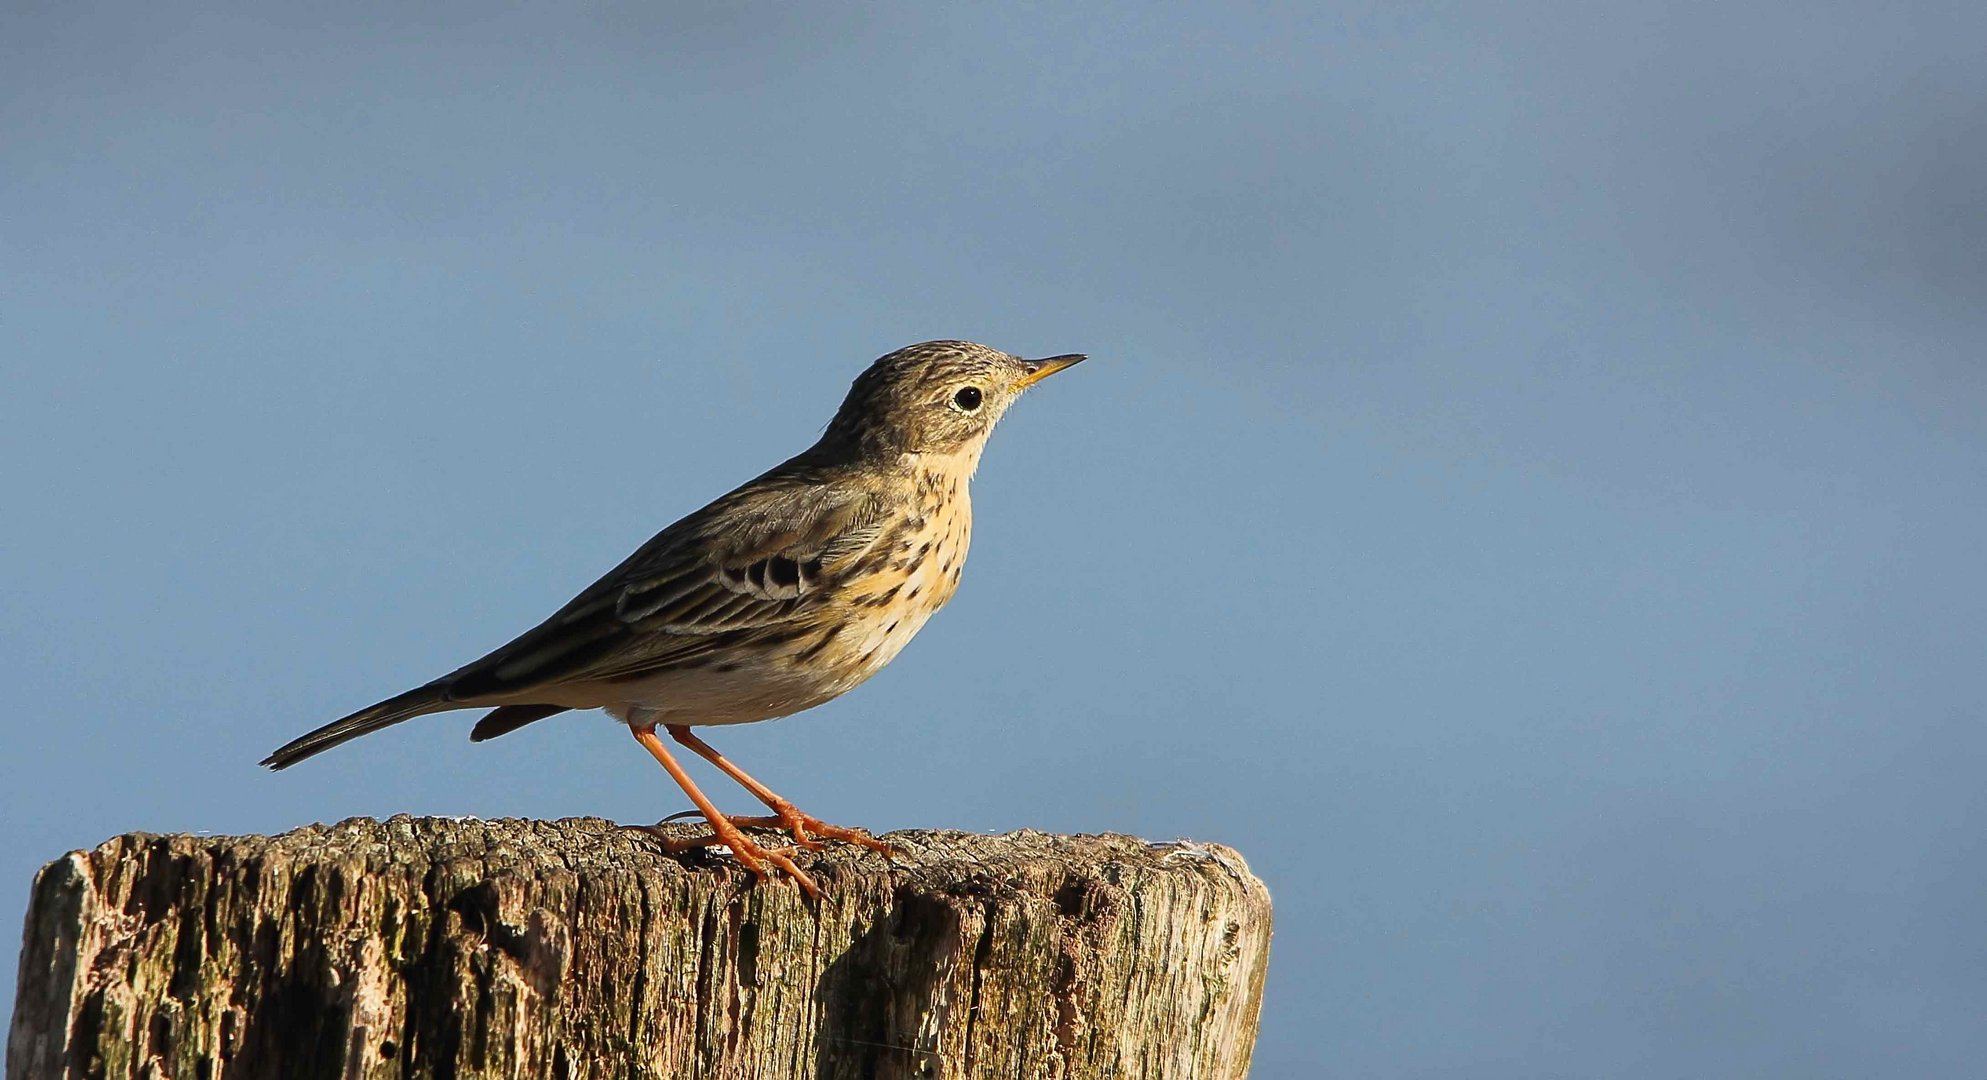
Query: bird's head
pixel 936 397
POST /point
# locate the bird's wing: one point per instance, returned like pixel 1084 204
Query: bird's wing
pixel 765 555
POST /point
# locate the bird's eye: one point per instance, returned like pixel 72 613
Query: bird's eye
pixel 968 398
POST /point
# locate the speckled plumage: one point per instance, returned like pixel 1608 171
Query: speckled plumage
pixel 785 593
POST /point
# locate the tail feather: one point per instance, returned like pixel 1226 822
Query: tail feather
pixel 424 699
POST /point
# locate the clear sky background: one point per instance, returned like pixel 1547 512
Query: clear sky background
pixel 1528 494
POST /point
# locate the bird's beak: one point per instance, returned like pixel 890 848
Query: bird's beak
pixel 1037 370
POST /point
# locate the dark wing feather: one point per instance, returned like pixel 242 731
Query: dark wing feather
pixel 509 718
pixel 764 555
pixel 760 557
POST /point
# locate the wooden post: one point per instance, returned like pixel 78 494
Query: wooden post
pixel 571 949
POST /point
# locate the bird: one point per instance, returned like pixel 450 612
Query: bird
pixel 783 594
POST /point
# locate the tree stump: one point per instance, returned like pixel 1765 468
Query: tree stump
pixel 458 948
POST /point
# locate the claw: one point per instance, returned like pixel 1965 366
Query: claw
pixel 750 853
pixel 795 824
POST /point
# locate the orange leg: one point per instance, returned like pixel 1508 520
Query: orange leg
pixel 787 816
pixel 749 853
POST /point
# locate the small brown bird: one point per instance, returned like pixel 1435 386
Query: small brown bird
pixel 783 594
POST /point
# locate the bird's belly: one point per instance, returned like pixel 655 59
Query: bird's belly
pixel 730 693
pixel 778 682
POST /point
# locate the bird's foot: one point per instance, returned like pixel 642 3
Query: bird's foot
pixel 788 817
pixel 749 853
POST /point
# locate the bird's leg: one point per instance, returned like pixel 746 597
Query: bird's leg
pixel 749 854
pixel 787 816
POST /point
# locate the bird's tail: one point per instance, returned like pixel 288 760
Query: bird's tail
pixel 415 702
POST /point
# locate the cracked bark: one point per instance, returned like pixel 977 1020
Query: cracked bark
pixel 441 948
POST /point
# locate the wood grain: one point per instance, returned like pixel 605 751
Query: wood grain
pixel 444 948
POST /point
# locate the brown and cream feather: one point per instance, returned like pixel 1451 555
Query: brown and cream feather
pixel 780 595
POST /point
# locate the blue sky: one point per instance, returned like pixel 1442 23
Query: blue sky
pixel 1526 495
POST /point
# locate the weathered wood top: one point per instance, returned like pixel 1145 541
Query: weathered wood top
pixel 575 948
